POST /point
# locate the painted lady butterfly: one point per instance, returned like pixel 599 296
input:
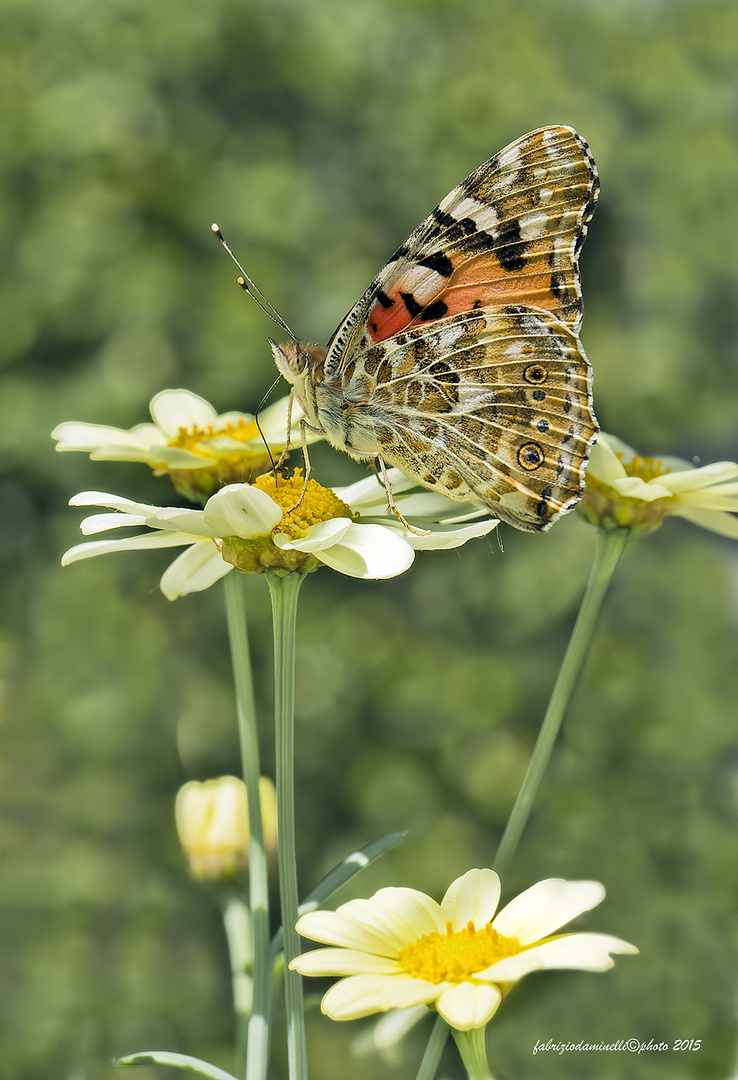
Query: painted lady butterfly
pixel 461 364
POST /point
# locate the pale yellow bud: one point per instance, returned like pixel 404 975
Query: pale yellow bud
pixel 213 825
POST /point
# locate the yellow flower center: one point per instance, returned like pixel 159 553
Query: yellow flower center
pixel 188 438
pixel 219 467
pixel 456 956
pixel 647 468
pixel 301 511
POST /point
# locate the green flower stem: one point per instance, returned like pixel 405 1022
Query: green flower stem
pixel 283 589
pixel 609 548
pixel 237 923
pixel 473 1049
pixel 257 1057
pixel 434 1049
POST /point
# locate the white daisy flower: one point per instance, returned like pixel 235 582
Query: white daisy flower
pixel 401 949
pixel 268 525
pixel 189 441
pixel 627 491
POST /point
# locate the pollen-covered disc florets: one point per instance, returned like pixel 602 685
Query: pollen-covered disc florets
pixel 223 461
pixel 303 504
pixel 457 955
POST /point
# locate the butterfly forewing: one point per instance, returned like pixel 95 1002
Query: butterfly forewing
pixel 510 233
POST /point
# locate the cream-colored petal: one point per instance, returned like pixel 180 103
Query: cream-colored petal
pixel 717 498
pixel 242 510
pixel 714 520
pixel 112 452
pixel 344 929
pixel 368 496
pixel 719 472
pixel 362 995
pixel 400 915
pixel 603 464
pixel 469 1005
pixel 177 457
pixel 443 537
pixel 369 551
pixel 112 502
pixel 343 962
pixel 180 518
pixel 633 487
pixel 388 1030
pixel 617 446
pixel 129 543
pixel 96 523
pixel 417 913
pixel 322 535
pixel 197 568
pixel 76 435
pixel 273 420
pixel 172 410
pixel 473 897
pixel 546 906
pixel 587 952
pixel 432 506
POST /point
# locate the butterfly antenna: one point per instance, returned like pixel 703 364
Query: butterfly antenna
pixel 261 405
pixel 252 289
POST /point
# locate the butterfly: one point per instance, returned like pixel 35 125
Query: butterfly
pixel 461 364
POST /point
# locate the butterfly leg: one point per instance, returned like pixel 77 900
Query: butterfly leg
pixel 380 470
pixel 306 458
pixel 288 438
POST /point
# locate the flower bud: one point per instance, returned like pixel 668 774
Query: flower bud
pixel 213 825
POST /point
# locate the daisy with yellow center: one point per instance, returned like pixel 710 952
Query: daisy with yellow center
pixel 401 949
pixel 272 525
pixel 199 449
pixel 627 491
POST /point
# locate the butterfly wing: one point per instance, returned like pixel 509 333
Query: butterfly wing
pixel 510 233
pixel 491 406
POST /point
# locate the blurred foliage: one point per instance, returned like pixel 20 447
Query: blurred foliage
pixel 317 134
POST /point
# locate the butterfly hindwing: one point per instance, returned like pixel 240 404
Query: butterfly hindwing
pixel 509 234
pixel 492 406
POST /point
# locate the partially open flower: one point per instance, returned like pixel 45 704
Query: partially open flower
pixel 401 949
pixel 626 491
pixel 197 448
pixel 213 825
pixel 268 525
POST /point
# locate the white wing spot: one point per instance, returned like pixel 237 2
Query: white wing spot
pixel 507 157
pixel 545 195
pixel 484 217
pixel 423 283
pixel 533 225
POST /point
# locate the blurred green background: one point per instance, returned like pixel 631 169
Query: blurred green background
pixel 317 134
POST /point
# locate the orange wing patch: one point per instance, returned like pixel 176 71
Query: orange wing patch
pixel 509 234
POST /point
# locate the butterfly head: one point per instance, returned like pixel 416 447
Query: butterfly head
pixel 301 365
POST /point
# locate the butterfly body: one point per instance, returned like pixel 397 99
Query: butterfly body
pixel 461 364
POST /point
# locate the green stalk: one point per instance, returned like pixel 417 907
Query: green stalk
pixel 609 548
pixel 434 1049
pixel 257 1056
pixel 473 1049
pixel 284 589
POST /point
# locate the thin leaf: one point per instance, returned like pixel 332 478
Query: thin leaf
pixel 178 1061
